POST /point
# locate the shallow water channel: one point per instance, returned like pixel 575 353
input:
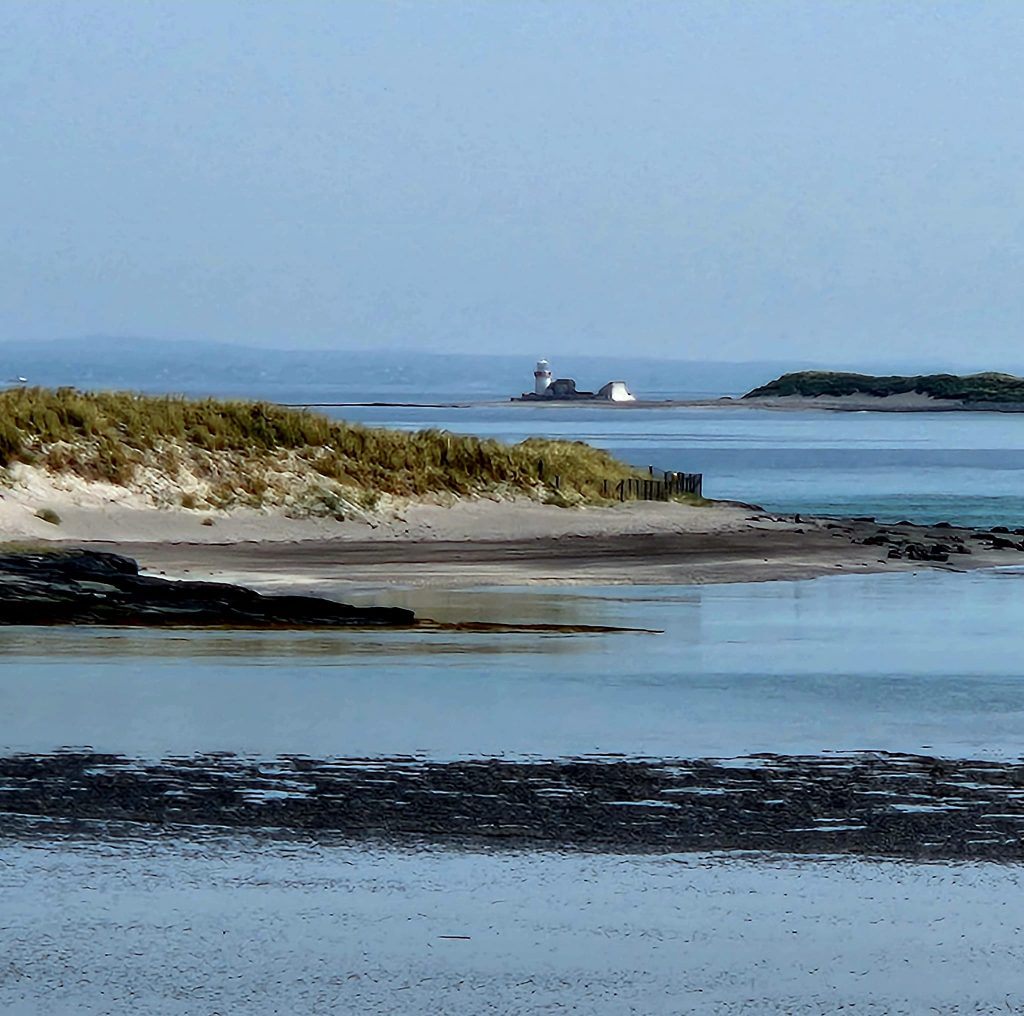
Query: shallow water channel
pixel 926 662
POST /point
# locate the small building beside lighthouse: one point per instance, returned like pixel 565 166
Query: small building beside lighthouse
pixel 616 391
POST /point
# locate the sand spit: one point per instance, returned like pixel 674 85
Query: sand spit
pixel 906 402
pixel 636 545
pixel 474 541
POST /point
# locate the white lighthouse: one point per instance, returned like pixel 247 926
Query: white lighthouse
pixel 541 377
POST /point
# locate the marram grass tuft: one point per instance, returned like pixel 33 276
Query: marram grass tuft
pixel 237 448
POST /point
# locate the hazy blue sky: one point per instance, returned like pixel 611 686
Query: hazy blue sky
pixel 722 180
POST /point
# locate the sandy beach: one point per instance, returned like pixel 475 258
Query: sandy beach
pixel 762 550
pixel 487 542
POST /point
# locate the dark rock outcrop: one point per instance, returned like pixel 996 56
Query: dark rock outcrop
pixel 89 587
pixel 922 552
pixel 1002 543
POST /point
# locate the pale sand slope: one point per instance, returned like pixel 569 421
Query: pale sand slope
pixel 472 542
pixel 103 512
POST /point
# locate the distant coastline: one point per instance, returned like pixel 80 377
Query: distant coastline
pixel 797 403
pixel 850 392
pixel 790 403
pixel 988 391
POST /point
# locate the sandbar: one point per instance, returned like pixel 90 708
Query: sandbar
pixel 482 540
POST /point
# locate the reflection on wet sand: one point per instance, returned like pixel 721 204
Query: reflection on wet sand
pixel 238 923
pixel 282 645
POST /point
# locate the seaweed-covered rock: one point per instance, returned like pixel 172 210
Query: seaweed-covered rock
pixel 922 552
pixel 90 587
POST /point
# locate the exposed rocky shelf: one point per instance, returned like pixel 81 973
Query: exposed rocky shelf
pixel 88 587
pixel 867 804
pixel 94 587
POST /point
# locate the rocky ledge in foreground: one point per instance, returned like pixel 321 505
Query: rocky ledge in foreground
pixel 873 804
pixel 91 587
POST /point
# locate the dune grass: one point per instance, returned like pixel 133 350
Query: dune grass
pixel 237 448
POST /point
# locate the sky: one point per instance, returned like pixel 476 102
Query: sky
pixel 719 180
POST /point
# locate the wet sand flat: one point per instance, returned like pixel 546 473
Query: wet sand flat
pixel 762 548
pixel 239 924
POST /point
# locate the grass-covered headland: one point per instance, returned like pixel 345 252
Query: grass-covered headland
pixel 219 454
pixel 970 388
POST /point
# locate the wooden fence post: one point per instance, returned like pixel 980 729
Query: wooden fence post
pixel 651 488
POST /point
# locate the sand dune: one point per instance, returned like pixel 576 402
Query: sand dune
pixel 480 541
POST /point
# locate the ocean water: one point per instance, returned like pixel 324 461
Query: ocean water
pixel 926 662
pixel 966 468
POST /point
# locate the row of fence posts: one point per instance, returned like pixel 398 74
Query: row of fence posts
pixel 651 488
pixel 655 489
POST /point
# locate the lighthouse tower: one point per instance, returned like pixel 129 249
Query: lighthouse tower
pixel 541 377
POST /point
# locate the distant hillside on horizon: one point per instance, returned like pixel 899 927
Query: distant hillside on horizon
pixel 222 369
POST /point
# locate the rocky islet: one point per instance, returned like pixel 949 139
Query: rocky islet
pixel 84 587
